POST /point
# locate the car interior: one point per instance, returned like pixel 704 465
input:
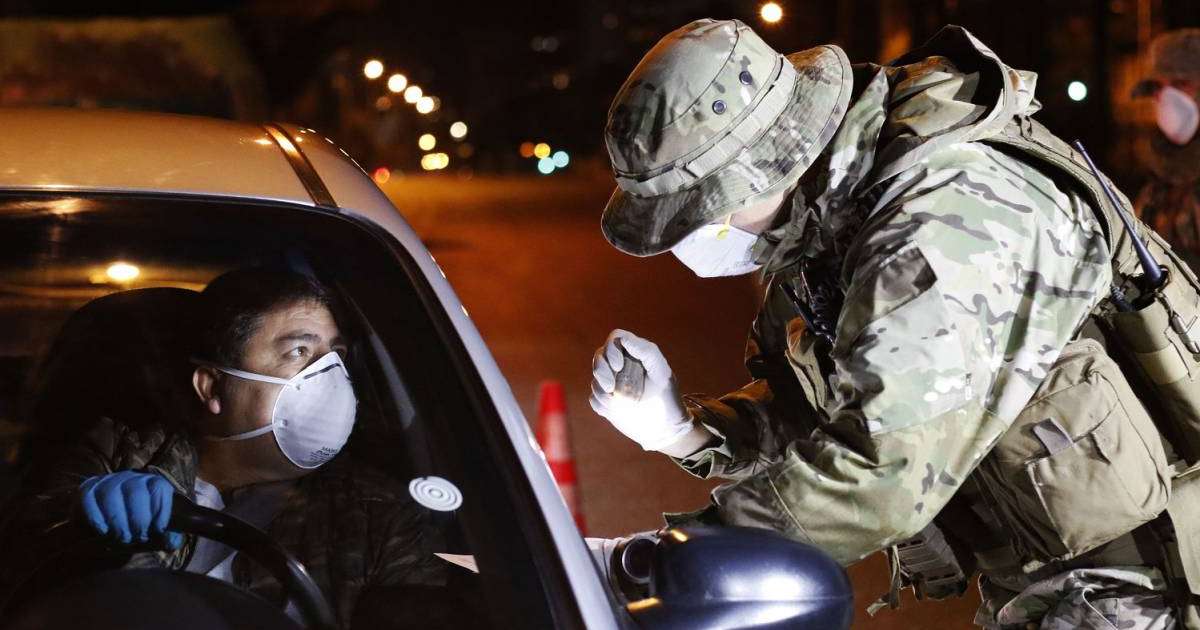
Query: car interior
pixel 76 344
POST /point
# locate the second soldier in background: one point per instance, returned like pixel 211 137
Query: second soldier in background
pixel 1170 200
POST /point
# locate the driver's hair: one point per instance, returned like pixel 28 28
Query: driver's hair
pixel 232 307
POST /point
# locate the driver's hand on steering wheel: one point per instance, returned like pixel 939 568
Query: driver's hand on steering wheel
pixel 129 506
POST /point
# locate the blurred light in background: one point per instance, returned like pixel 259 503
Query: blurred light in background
pixel 1077 90
pixel 383 103
pixel 771 12
pixel 425 105
pixel 427 142
pixel 437 102
pixel 412 94
pixel 561 159
pixel 373 69
pixel 545 166
pixel 465 150
pixel 541 150
pixel 458 130
pixel 122 272
pixel 561 80
pixel 435 161
pixel 381 175
pixel 526 149
pixel 397 83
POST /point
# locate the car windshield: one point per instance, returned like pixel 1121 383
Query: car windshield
pixel 422 520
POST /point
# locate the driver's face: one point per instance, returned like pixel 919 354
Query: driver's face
pixel 288 339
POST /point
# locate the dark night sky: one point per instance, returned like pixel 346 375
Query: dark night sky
pixel 478 58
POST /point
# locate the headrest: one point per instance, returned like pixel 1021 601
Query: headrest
pixel 122 356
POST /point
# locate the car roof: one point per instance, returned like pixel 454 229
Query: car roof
pixel 110 150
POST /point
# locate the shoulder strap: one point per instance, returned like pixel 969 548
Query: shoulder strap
pixel 1031 138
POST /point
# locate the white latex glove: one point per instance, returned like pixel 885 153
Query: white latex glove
pixel 657 419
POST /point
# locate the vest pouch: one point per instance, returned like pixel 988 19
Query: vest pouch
pixel 1184 511
pixel 1161 353
pixel 1083 436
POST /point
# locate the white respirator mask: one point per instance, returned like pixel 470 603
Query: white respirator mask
pixel 1177 115
pixel 718 249
pixel 313 413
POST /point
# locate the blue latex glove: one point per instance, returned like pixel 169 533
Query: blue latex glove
pixel 130 506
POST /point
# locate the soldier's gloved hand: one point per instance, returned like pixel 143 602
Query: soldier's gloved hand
pixel 657 419
pixel 129 506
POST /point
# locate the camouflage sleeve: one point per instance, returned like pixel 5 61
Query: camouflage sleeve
pixel 976 273
pixel 42 519
pixel 755 424
pixel 753 427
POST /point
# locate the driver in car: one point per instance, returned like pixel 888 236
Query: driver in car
pixel 275 404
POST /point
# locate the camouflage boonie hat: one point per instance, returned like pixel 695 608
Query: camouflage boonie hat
pixel 1173 55
pixel 709 120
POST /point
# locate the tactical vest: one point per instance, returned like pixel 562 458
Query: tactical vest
pixel 1102 466
pixel 1118 415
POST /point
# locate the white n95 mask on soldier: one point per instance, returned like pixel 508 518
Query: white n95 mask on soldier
pixel 313 413
pixel 1177 115
pixel 717 249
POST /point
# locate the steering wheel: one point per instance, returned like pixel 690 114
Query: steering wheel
pixel 161 592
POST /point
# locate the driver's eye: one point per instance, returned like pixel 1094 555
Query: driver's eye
pixel 299 352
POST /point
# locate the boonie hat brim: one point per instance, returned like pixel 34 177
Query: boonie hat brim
pixel 649 225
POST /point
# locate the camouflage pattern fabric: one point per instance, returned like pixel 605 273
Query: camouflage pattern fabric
pixel 694 142
pixel 49 493
pixel 965 271
pixel 353 528
pixel 356 530
pixel 1129 598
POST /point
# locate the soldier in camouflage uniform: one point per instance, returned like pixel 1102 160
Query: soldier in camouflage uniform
pixel 921 339
pixel 364 541
pixel 1170 201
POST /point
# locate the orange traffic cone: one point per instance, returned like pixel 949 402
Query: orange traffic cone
pixel 555 440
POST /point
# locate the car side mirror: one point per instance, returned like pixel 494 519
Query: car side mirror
pixel 732 577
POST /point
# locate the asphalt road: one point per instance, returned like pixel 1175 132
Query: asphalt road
pixel 527 258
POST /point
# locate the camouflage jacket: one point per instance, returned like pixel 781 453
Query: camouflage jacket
pixel 355 530
pixel 965 271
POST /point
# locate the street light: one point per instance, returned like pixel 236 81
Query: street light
pixel 771 12
pixel 412 94
pixel 435 161
pixel 541 150
pixel 427 142
pixel 396 83
pixel 373 69
pixel 458 130
pixel 425 105
pixel 1077 90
